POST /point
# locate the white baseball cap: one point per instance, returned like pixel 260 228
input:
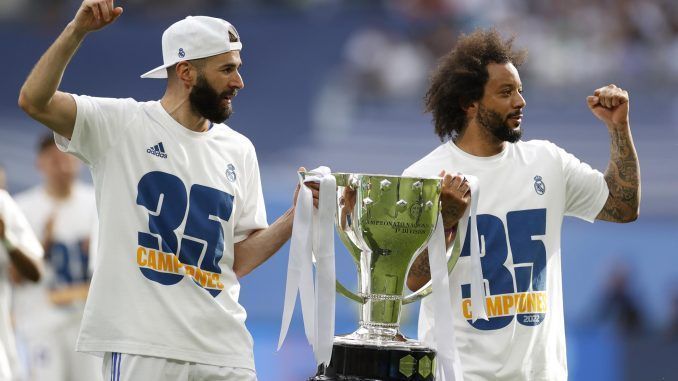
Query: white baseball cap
pixel 192 38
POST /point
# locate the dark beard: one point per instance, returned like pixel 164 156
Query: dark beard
pixel 498 126
pixel 207 102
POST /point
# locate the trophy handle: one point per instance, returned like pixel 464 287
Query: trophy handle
pixel 349 294
pixel 427 289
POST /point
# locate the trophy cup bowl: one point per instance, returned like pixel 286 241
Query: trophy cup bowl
pixel 385 222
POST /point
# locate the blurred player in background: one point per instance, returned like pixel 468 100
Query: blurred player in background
pixel 526 188
pixel 20 248
pixel 62 212
pixel 179 201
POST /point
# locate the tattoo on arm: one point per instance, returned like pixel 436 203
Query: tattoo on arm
pixel 623 180
pixel 420 267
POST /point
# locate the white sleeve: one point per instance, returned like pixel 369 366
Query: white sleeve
pixel 252 215
pixel 99 124
pixel 17 230
pixel 585 188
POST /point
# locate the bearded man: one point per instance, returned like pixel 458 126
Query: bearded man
pixel 526 188
pixel 179 200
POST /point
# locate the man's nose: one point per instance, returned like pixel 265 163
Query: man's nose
pixel 519 101
pixel 238 82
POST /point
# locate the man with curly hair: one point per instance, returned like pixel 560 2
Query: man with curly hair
pixel 527 187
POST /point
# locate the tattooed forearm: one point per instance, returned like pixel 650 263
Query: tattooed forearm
pixel 420 272
pixel 421 267
pixel 623 179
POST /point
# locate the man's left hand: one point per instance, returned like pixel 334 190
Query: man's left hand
pixel 610 104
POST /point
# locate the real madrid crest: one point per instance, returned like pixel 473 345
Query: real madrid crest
pixel 415 210
pixel 230 173
pixel 539 185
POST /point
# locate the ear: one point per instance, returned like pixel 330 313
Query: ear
pixel 470 108
pixel 186 73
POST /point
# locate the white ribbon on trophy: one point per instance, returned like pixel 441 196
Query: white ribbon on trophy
pixel 450 367
pixel 313 237
pixel 478 310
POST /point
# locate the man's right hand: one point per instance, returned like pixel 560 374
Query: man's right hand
pixel 95 14
pixel 456 197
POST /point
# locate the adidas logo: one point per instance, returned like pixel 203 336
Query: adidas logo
pixel 158 150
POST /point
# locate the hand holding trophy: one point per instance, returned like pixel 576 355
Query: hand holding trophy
pixel 385 222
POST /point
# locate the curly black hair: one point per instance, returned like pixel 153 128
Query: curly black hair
pixel 461 76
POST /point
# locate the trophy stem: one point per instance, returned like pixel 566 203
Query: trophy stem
pixel 372 313
pixel 380 314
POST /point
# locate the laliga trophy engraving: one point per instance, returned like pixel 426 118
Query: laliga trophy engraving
pixel 385 222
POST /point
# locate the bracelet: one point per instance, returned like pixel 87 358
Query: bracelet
pixel 8 245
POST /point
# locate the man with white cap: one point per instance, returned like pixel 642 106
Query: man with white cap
pixel 179 200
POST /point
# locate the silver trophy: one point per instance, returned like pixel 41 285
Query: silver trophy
pixel 385 222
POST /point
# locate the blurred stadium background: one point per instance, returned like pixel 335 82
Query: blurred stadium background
pixel 340 83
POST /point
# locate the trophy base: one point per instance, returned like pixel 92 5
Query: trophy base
pixel 352 362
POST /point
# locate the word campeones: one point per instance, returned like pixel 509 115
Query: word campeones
pixel 169 263
pixel 510 304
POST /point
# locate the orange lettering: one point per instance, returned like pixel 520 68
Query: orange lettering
pixel 466 310
pixel 141 252
pixel 521 304
pixel 200 277
pixel 151 260
pixel 507 302
pixel 530 302
pixel 211 281
pixel 177 264
pixel 541 303
pixel 493 306
pixel 165 262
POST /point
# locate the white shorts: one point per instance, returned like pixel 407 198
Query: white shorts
pixel 129 367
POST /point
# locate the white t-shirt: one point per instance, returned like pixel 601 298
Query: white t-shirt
pixel 67 258
pixel 171 203
pixel 524 193
pixel 20 235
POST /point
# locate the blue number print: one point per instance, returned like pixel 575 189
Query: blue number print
pixel 58 258
pixel 154 188
pixel 69 263
pixel 499 277
pixel 529 258
pixel 165 198
pixel 205 202
pixel 522 225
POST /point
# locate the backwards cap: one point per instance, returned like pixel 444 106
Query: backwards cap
pixel 192 38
